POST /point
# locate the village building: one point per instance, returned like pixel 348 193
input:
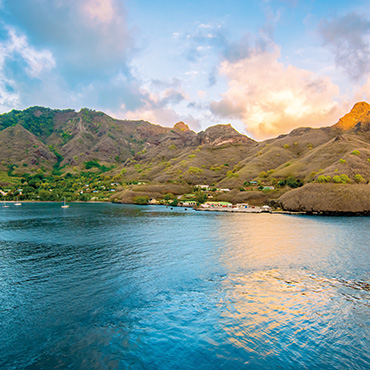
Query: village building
pixel 205 187
pixel 188 203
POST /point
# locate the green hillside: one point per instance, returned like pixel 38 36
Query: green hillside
pixel 74 151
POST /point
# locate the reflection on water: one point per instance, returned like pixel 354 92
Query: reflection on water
pixel 116 287
pixel 299 315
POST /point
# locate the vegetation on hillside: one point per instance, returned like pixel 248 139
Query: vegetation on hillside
pixel 57 153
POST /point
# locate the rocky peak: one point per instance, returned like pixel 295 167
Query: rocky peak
pixel 359 113
pixel 222 134
pixel 181 126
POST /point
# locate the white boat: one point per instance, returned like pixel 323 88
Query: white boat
pixel 5 206
pixel 17 203
pixel 64 204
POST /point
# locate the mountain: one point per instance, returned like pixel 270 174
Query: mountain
pixel 66 141
pixel 358 116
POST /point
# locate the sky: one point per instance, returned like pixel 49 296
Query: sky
pixel 265 66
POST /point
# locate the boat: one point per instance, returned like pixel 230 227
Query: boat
pixel 17 203
pixel 4 205
pixel 64 204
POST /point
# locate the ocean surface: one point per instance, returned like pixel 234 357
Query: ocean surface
pixel 105 286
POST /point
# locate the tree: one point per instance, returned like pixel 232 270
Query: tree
pixel 44 194
pixel 175 202
pixel 200 197
pixel 168 196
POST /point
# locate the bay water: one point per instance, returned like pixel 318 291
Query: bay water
pixel 109 286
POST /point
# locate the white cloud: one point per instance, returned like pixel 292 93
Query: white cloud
pixel 9 99
pixel 17 50
pixel 37 61
pixel 271 98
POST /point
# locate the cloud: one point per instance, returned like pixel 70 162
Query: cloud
pixel 204 41
pixel 8 97
pixel 100 11
pixel 363 92
pixel 37 61
pixel 159 108
pixel 18 60
pixel 348 37
pixel 211 39
pixel 67 54
pixel 88 38
pixel 271 98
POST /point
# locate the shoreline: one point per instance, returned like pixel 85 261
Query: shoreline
pixel 255 210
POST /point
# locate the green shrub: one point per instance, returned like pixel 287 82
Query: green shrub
pixel 195 170
pixel 292 182
pixel 359 178
pixel 142 199
pixel 286 146
pixel 323 178
pixel 263 175
pixel 231 174
pixel 345 179
pixel 337 179
pixel 172 147
pixel 342 161
pixel 356 152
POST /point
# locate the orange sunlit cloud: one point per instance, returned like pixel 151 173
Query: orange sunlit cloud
pixel 271 98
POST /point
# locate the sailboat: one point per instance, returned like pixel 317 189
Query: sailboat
pixel 64 204
pixel 17 203
pixel 4 205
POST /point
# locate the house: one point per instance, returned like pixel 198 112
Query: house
pixel 213 204
pixel 188 203
pixel 268 187
pixel 152 201
pixel 242 205
pixel 205 187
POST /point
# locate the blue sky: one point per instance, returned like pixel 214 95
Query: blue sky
pixel 266 67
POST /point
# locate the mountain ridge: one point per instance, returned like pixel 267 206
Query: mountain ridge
pixel 66 141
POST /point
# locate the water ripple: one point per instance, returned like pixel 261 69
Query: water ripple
pixel 117 287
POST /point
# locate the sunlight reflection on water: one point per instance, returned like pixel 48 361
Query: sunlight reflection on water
pixel 109 286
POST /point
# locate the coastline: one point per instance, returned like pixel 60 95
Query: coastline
pixel 254 210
